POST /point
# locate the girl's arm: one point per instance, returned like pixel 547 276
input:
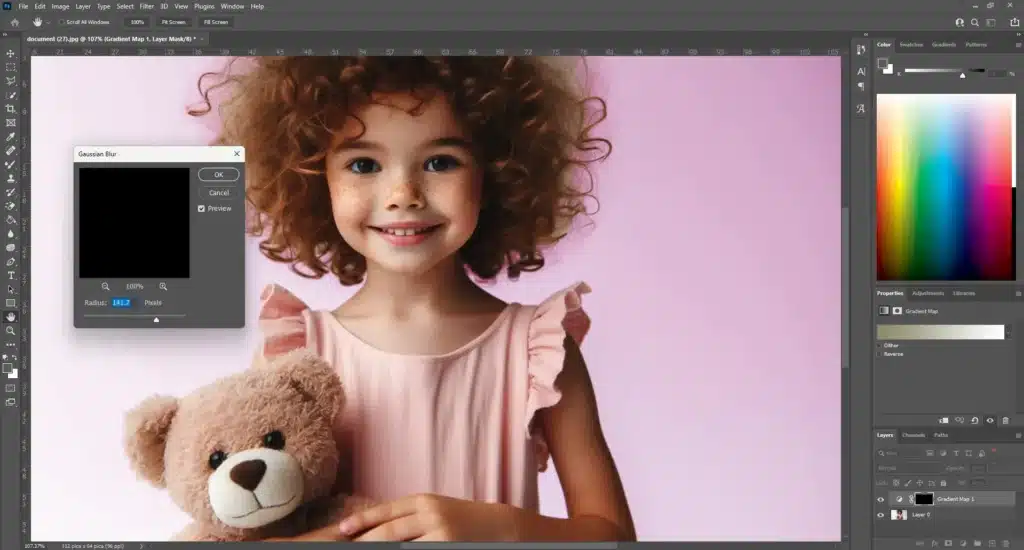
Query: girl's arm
pixel 593 491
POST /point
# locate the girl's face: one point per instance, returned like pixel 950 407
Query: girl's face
pixel 405 189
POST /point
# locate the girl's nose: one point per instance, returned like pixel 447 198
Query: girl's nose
pixel 405 195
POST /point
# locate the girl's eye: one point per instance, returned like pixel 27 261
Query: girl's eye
pixel 441 163
pixel 364 166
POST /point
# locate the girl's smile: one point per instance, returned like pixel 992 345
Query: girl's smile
pixel 406 233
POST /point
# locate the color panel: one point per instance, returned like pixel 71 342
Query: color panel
pixel 946 187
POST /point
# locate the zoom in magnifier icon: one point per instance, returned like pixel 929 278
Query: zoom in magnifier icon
pixel 163 286
pixel 10 330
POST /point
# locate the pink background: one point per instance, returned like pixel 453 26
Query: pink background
pixel 714 262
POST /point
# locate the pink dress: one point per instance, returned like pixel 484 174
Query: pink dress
pixel 458 424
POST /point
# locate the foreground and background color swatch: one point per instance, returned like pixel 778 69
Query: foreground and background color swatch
pixel 946 186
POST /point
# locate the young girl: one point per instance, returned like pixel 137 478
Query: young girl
pixel 417 177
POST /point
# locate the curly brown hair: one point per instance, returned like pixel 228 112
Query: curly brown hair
pixel 528 118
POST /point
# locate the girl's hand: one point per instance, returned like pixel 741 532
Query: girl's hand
pixel 433 518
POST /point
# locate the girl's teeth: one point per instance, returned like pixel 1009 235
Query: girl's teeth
pixel 405 232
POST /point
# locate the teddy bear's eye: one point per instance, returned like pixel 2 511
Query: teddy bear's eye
pixel 274 440
pixel 216 458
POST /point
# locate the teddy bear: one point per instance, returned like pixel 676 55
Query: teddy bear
pixel 250 456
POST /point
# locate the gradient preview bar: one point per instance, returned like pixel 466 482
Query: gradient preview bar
pixel 941 332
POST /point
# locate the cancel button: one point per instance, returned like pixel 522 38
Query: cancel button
pixel 221 193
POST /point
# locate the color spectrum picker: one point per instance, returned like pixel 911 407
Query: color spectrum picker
pixel 946 187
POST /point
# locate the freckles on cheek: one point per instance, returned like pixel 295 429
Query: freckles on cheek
pixel 465 194
pixel 349 205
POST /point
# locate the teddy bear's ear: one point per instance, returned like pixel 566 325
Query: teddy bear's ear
pixel 145 436
pixel 312 376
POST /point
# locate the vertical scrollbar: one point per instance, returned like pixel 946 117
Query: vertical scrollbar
pixel 11 500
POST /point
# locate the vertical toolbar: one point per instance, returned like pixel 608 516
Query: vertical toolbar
pixel 859 140
pixel 11 284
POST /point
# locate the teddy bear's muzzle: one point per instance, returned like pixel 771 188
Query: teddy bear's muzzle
pixel 255 488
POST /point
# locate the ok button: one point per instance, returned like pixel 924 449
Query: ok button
pixel 218 175
pixel 217 193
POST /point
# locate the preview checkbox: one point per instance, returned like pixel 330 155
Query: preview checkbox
pixel 201 208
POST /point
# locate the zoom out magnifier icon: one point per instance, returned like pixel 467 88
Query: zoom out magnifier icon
pixel 105 286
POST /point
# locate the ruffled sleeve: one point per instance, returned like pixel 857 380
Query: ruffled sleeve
pixel 282 321
pixel 560 315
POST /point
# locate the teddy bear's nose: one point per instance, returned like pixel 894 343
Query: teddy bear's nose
pixel 248 474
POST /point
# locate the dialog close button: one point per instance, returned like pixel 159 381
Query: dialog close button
pixel 218 175
pixel 217 193
pixel 121 303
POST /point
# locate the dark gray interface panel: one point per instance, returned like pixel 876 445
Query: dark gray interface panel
pixel 941 124
pixel 159 237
